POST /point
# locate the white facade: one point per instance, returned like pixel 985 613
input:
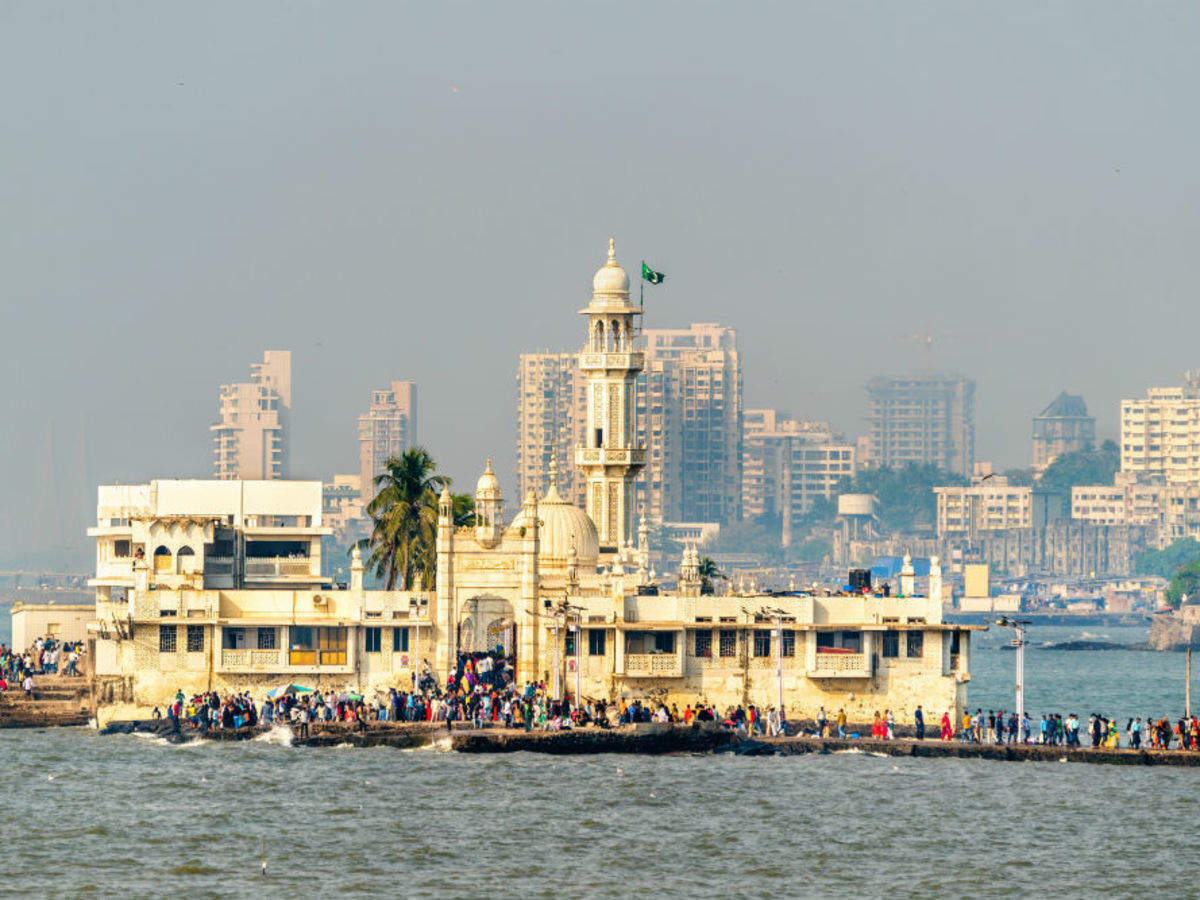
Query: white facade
pixel 609 457
pixel 210 534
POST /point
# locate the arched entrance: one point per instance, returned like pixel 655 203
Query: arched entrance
pixel 487 624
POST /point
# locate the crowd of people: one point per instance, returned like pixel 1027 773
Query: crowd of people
pixel 45 656
pixel 482 691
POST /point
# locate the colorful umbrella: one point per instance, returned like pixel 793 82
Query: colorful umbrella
pixel 276 693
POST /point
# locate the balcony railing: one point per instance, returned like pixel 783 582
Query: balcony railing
pixel 251 659
pixel 218 565
pixel 275 567
pixel 610 456
pixel 653 665
pixel 612 359
pixel 841 665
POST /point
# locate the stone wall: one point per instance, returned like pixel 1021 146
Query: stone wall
pixel 1172 632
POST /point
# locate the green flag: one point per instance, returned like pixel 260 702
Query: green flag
pixel 649 275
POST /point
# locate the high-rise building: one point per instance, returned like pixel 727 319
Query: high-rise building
pixel 386 429
pixel 1160 434
pixel 253 430
pixel 787 464
pixel 689 417
pixel 1062 427
pixel 551 417
pixel 923 419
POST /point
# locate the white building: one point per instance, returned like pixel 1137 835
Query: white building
pixel 216 586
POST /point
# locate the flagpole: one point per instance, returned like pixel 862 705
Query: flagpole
pixel 642 288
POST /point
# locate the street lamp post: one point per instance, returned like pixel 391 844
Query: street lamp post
pixel 578 639
pixel 415 608
pixel 779 663
pixel 556 685
pixel 1018 629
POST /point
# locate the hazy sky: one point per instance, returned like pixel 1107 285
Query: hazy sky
pixel 185 185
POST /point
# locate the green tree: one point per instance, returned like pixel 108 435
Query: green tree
pixel 425 567
pixel 404 520
pixel 750 537
pixel 1164 563
pixel 813 550
pixel 906 501
pixel 1019 477
pixel 1093 465
pixel 708 571
pixel 1184 583
pixel 660 541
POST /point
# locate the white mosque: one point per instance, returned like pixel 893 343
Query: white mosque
pixel 216 585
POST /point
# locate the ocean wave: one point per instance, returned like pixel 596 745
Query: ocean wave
pixel 279 734
pixel 166 742
pixel 441 745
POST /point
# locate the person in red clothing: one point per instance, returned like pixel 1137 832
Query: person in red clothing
pixel 947 730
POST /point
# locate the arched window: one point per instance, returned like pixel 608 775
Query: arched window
pixel 616 334
pixel 187 559
pixel 599 336
pixel 162 559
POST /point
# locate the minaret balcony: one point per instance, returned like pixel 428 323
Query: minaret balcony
pixel 611 361
pixel 610 456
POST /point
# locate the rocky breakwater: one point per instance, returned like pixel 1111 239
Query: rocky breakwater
pixel 377 734
pixel 1175 631
pixel 55 702
pixel 648 738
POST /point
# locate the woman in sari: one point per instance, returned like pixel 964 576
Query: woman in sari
pixel 947 731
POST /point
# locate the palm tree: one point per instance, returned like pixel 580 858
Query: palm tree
pixel 404 518
pixel 425 560
pixel 708 571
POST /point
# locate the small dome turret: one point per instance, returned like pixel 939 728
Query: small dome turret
pixel 611 283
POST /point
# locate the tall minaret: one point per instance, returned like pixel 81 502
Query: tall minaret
pixel 608 458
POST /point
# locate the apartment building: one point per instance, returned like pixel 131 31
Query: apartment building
pixel 688 418
pixel 1064 426
pixel 788 463
pixel 1171 511
pixel 1160 434
pixel 252 433
pixel 987 505
pixel 551 420
pixel 386 429
pixel 922 419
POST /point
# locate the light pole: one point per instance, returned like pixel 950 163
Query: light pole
pixel 414 607
pixel 777 633
pixel 555 684
pixel 1018 628
pixel 577 611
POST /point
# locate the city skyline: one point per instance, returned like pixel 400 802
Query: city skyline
pixel 827 194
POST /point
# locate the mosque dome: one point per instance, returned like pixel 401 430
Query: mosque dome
pixel 488 484
pixel 611 281
pixel 566 526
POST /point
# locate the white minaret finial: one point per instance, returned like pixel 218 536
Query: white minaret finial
pixel 554 469
pixel 612 251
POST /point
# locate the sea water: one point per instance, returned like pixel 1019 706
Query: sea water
pixel 124 815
